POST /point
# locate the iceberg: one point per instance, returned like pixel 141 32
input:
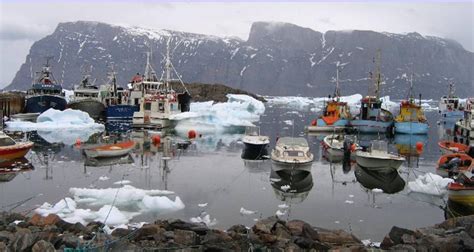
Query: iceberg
pixel 430 183
pixel 57 126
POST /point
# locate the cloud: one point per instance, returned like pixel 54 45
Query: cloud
pixel 22 31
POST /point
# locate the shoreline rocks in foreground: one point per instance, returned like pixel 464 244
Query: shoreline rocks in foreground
pixel 37 233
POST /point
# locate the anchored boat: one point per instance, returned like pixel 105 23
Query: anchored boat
pixel 411 119
pixel 110 150
pixel 449 147
pixel 336 114
pixel 292 153
pixel 86 98
pixel 9 149
pixel 452 164
pixel 45 93
pixel 255 145
pixel 462 190
pixel 118 106
pixel 378 158
pixel 450 106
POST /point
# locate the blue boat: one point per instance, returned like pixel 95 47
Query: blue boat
pixel 45 93
pixel 370 126
pixel 120 112
pixel 450 106
pixel 411 119
pixel 114 99
pixel 411 127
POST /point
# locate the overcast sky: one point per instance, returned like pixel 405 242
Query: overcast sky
pixel 23 22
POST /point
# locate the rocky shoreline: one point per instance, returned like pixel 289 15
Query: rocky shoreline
pixel 51 233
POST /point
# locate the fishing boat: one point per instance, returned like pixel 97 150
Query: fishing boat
pixel 338 146
pixel 9 149
pixel 118 105
pixel 449 147
pixel 160 103
pixel 110 150
pixel 292 153
pixel 411 119
pixel 449 105
pixel 336 114
pixel 373 118
pixel 462 190
pixel 378 158
pixel 45 93
pixel 452 164
pixel 255 145
pixel 464 128
pixel 390 182
pixel 86 98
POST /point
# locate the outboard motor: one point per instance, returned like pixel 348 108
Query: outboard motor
pixel 184 101
pixel 347 148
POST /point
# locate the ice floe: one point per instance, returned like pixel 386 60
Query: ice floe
pixel 244 211
pixel 430 183
pixel 202 205
pixel 60 126
pixel 204 218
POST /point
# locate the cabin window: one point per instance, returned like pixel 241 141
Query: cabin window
pixel 137 101
pixel 147 106
pixel 6 142
pixel 294 153
pixel 161 108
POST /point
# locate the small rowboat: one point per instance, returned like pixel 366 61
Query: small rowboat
pixel 451 164
pixel 110 150
pixel 462 191
pixel 448 147
pixel 9 149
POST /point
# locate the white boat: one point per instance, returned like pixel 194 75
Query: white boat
pixel 378 158
pixel 255 145
pixel 86 98
pixel 334 145
pixel 291 154
pixel 450 106
pixel 464 128
pixel 110 150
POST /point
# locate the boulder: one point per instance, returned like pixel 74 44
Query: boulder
pixel 265 225
pixel 43 246
pixel 281 232
pixel 39 220
pixel 185 237
pixel 23 240
pixel 6 236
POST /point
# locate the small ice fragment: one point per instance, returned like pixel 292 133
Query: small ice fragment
pixel 280 213
pixel 337 222
pixel 283 206
pixel 285 187
pixel 377 190
pixel 203 205
pixel 122 182
pixel 103 178
pixel 349 202
pixel 244 211
pixel 351 196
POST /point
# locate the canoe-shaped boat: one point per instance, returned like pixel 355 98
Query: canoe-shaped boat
pixel 378 158
pixel 110 150
pixel 451 164
pixel 9 149
pixel 449 147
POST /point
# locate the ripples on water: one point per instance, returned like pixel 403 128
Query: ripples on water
pixel 211 179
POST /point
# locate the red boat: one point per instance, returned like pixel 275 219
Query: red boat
pixel 448 147
pixel 9 149
pixel 462 191
pixel 110 150
pixel 451 164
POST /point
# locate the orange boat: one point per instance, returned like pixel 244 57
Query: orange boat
pixel 453 164
pixel 448 147
pixel 9 149
pixel 462 191
pixel 111 150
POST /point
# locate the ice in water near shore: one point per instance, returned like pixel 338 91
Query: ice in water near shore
pixel 430 183
pixel 60 126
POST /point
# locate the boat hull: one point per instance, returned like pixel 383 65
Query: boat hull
pixel 321 126
pixel 254 151
pixel 41 103
pixel 120 112
pixel 369 126
pixel 289 167
pixel 15 151
pixel 411 128
pixel 94 108
pixel 378 164
pixel 465 197
pixel 113 150
pixel 452 114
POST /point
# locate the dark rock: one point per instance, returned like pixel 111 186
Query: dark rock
pixel 296 227
pixel 77 228
pixel 146 232
pixel 22 224
pixel 120 232
pixel 281 232
pixel 23 240
pixel 185 237
pixel 69 241
pixel 199 228
pixel 34 229
pixel 267 238
pixel 216 236
pixel 386 243
pixel 3 246
pixel 310 233
pixel 50 236
pixel 94 226
pixel 9 217
pixel 239 229
pixel 168 235
pixel 303 242
pixel 396 234
pixel 337 238
pixel 408 239
pixel 404 247
pixel 265 225
pixel 43 246
pixel 2 227
pixel 6 236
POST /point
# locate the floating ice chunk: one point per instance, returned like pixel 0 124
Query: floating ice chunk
pixel 126 195
pixel 244 211
pixel 103 178
pixel 110 215
pixel 202 205
pixel 285 187
pixel 288 122
pixel 283 206
pixel 351 196
pixel 290 101
pixel 162 204
pixel 349 202
pixel 369 243
pixel 204 218
pixel 430 183
pixel 123 182
pixel 64 206
pixel 280 213
pixel 377 190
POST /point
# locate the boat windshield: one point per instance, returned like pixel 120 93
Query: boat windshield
pixel 293 141
pixel 293 154
pixel 379 146
pixel 6 141
pixel 252 131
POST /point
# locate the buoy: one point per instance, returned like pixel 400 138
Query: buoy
pixel 314 122
pixel 78 141
pixel 191 134
pixel 156 139
pixel 353 147
pixel 419 146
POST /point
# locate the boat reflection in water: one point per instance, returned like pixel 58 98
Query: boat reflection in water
pixel 10 169
pixel 411 147
pixel 291 187
pixel 455 209
pixel 388 182
pixel 258 166
pixel 108 161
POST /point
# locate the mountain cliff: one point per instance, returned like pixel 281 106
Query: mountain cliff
pixel 277 58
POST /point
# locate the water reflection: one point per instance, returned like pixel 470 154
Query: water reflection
pixel 10 169
pixel 258 166
pixel 389 182
pixel 411 147
pixel 108 161
pixel 291 187
pixel 455 209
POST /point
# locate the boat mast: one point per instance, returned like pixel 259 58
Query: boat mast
pixel 337 93
pixel 168 65
pixel 451 89
pixel 377 76
pixel 411 98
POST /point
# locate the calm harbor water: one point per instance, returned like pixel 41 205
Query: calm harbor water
pixel 211 171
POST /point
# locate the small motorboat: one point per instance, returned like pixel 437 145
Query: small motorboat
pixel 292 153
pixel 9 149
pixel 378 158
pixel 452 164
pixel 9 169
pixel 448 147
pixel 338 146
pixel 255 145
pixel 462 190
pixel 110 150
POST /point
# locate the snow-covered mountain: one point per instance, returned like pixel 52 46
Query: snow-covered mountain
pixel 277 59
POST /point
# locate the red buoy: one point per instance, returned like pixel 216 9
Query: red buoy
pixel 314 122
pixel 191 134
pixel 419 147
pixel 353 147
pixel 78 141
pixel 156 139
